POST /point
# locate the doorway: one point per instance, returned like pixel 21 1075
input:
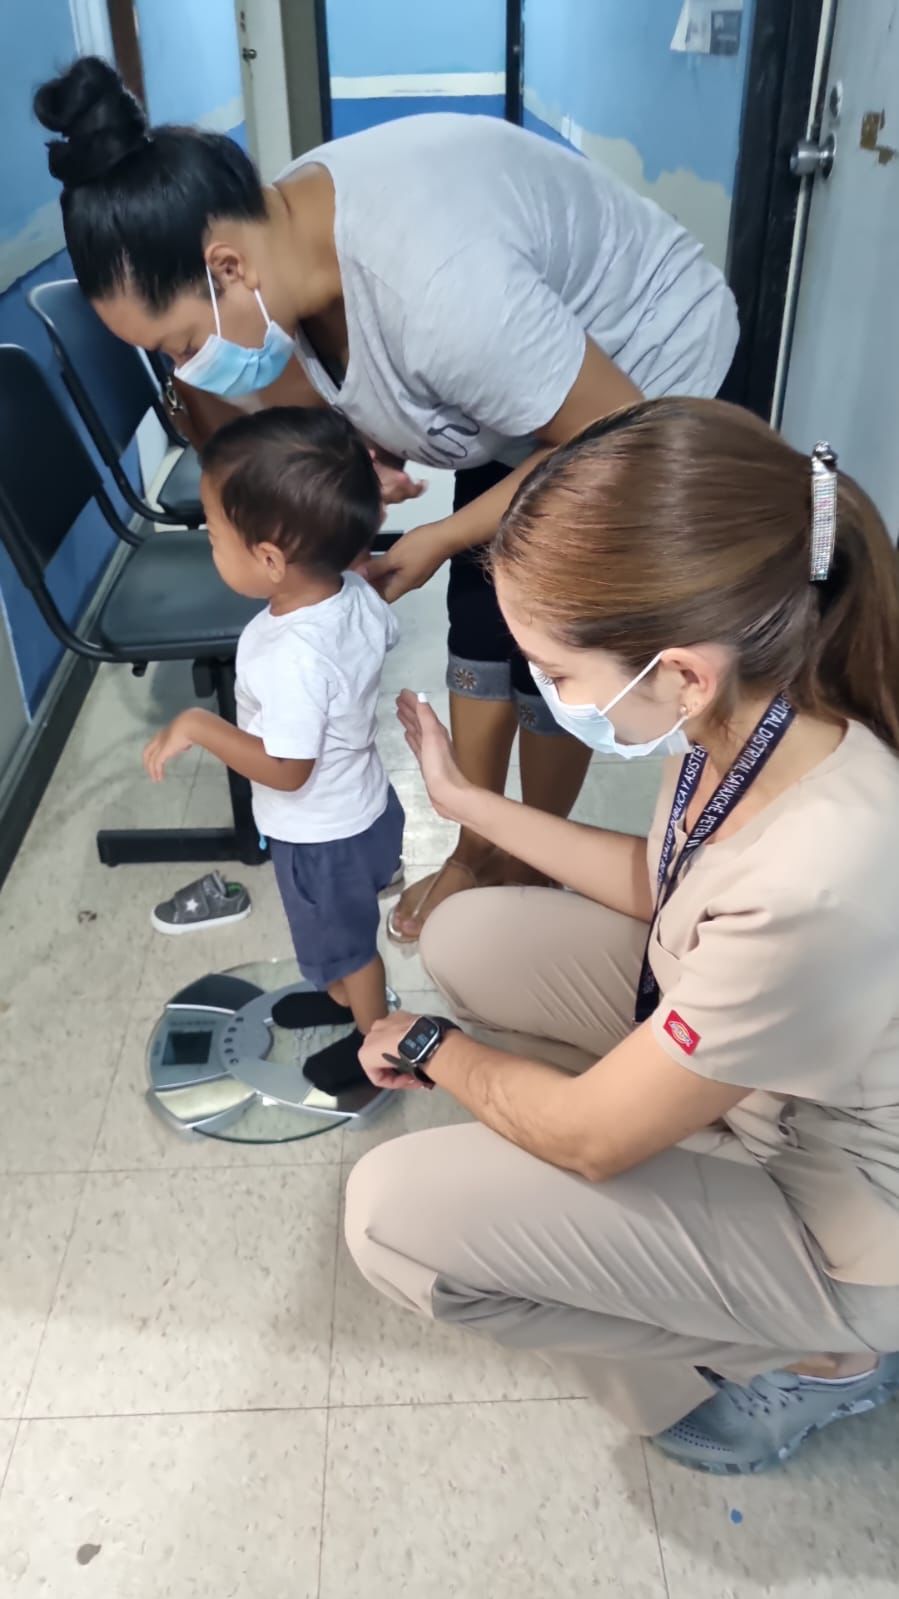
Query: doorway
pixel 838 376
pixel 284 72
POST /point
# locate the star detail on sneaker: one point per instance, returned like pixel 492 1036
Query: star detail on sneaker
pixel 191 905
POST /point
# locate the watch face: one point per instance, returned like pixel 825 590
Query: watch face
pixel 420 1040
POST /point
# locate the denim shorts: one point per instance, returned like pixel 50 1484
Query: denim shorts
pixel 330 895
pixel 485 663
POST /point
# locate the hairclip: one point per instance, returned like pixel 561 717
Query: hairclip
pixel 824 511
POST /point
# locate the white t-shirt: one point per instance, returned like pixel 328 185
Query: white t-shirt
pixel 476 258
pixel 307 685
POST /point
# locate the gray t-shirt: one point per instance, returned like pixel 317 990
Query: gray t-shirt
pixel 475 259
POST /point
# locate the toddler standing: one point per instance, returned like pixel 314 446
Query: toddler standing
pixel 292 501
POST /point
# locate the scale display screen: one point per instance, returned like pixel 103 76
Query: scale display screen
pixel 187 1046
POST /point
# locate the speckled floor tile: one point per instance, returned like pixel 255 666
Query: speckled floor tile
pixel 52 1099
pixel 8 1430
pixel 165 1507
pixel 36 1218
pixel 514 1501
pixel 823 1526
pixel 193 1291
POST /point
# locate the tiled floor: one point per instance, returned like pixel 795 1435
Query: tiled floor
pixel 199 1397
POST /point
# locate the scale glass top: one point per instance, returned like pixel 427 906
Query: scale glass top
pixel 219 1067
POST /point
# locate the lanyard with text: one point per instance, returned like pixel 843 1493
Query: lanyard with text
pixel 755 752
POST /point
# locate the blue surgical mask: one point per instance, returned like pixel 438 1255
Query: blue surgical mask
pixel 230 370
pixel 593 727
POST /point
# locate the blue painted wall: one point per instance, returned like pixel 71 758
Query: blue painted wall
pixel 384 40
pixel 610 68
pixel 372 38
pixel 34 38
pixel 190 56
pixel 192 72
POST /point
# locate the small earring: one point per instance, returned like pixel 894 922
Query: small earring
pixel 684 711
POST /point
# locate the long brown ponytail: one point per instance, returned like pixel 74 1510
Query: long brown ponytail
pixel 685 521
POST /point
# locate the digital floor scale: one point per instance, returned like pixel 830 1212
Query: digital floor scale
pixel 220 1066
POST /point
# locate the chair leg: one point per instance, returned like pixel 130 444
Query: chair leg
pixel 136 846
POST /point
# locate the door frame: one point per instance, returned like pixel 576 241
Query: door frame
pixel 324 69
pixel 514 107
pixel 783 74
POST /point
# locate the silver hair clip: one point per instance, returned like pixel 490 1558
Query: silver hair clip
pixel 824 511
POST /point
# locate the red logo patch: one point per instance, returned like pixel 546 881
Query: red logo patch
pixel 683 1036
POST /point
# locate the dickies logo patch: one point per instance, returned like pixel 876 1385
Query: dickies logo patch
pixel 683 1036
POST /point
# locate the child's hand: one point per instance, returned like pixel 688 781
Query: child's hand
pixel 173 740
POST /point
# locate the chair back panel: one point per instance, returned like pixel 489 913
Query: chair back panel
pixel 47 476
pixel 98 368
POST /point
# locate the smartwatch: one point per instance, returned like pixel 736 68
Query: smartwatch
pixel 420 1045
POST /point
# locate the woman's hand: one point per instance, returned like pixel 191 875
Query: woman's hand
pixel 384 1039
pixel 396 484
pixel 431 745
pixel 409 563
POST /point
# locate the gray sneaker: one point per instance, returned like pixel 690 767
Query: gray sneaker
pixel 209 902
pixel 751 1429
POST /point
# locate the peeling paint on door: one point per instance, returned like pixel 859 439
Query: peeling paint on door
pixel 873 123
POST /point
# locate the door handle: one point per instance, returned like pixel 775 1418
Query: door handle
pixel 810 159
pixel 248 53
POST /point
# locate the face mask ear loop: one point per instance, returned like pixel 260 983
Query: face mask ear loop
pixel 215 304
pixel 261 304
pixel 632 684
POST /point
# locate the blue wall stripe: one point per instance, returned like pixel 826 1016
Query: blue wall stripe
pixel 351 116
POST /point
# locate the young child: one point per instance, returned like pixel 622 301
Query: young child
pixel 292 501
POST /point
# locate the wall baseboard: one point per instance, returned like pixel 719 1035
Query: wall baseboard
pixel 29 773
pixel 419 85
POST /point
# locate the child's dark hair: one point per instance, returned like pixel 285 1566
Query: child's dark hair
pixel 300 478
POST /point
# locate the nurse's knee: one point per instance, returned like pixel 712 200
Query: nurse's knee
pixel 455 944
pixel 377 1188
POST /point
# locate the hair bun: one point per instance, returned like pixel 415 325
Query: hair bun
pixel 99 120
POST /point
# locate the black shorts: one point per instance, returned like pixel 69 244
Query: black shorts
pixel 485 663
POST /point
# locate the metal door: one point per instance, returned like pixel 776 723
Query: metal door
pixel 841 371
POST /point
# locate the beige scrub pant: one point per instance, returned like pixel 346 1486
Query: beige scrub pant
pixel 693 1259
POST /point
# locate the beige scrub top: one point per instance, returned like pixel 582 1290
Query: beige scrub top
pixel 777 958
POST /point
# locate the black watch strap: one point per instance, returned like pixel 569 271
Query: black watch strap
pixel 417 1070
pixel 446 1026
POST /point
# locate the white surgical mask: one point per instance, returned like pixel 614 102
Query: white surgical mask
pixel 593 727
pixel 232 370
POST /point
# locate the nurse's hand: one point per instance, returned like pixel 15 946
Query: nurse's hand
pixel 408 563
pixel 384 1039
pixel 449 792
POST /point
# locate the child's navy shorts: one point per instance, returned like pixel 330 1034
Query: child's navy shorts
pixel 330 895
